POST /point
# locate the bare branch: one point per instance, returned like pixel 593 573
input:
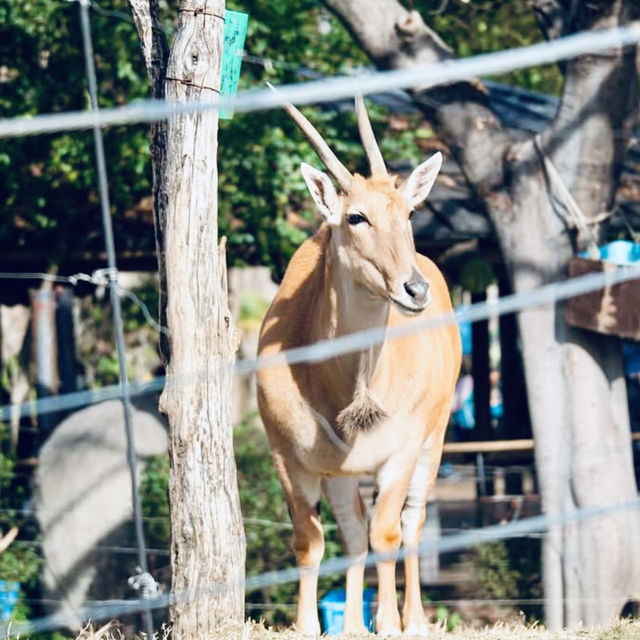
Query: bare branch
pixel 8 538
pixel 551 17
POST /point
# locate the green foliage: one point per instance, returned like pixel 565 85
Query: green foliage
pixel 471 28
pixel 509 570
pixel 48 183
pixel 494 573
pixel 20 562
pixel 95 347
pixel 449 620
pixel 155 502
pixel 475 273
pixel 253 308
pixel 147 294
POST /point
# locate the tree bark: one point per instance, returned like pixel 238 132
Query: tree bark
pixel 576 389
pixel 207 537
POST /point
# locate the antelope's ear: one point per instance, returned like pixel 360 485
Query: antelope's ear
pixel 419 183
pixel 323 193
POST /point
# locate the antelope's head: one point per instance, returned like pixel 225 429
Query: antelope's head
pixel 371 217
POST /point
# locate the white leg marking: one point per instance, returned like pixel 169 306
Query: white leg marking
pixel 416 496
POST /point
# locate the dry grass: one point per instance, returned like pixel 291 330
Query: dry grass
pixel 619 630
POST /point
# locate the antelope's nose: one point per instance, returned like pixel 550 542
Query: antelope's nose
pixel 417 289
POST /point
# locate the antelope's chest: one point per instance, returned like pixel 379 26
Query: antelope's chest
pixel 363 452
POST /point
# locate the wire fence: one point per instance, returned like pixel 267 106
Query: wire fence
pixel 327 349
pixel 325 89
pixel 337 88
pixel 103 610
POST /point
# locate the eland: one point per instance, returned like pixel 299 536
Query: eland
pixel 382 410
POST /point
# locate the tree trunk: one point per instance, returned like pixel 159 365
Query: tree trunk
pixel 207 537
pixel 576 389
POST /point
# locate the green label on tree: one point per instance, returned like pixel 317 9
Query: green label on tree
pixel 235 31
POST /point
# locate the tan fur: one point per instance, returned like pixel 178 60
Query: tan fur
pixel 388 404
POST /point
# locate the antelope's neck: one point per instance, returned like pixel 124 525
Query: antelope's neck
pixel 351 308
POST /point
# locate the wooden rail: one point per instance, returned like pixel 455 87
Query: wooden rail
pixel 496 446
pixel 491 446
pixel 450 448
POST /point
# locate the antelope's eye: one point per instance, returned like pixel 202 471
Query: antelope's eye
pixel 356 218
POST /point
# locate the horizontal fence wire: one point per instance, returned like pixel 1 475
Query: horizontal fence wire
pixel 337 88
pixel 326 349
pixel 103 610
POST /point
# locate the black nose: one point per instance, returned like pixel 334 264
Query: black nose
pixel 418 289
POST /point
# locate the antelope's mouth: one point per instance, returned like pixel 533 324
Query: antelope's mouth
pixel 414 296
pixel 408 308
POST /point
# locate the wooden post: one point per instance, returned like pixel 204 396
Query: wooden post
pixel 66 340
pixel 207 537
pixel 46 363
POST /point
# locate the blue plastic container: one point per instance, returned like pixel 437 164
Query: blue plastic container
pixel 9 594
pixel 332 609
pixel 620 252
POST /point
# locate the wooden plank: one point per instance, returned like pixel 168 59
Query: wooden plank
pixel 488 447
pixel 496 446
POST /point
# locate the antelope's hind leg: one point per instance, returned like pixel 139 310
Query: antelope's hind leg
pixel 350 513
pixel 302 492
pixel 414 620
pixel 385 536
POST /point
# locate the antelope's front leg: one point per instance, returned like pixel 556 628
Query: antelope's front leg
pixel 302 491
pixel 385 537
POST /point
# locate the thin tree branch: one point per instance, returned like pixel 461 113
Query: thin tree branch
pixel 8 538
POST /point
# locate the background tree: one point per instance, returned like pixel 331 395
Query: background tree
pixel 575 381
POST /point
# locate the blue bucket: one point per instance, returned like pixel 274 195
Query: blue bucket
pixel 332 609
pixel 9 594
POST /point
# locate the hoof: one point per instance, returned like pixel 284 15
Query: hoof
pixel 311 630
pixel 419 630
pixel 356 631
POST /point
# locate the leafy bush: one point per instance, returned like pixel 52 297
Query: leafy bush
pixel 509 570
pixel 20 562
